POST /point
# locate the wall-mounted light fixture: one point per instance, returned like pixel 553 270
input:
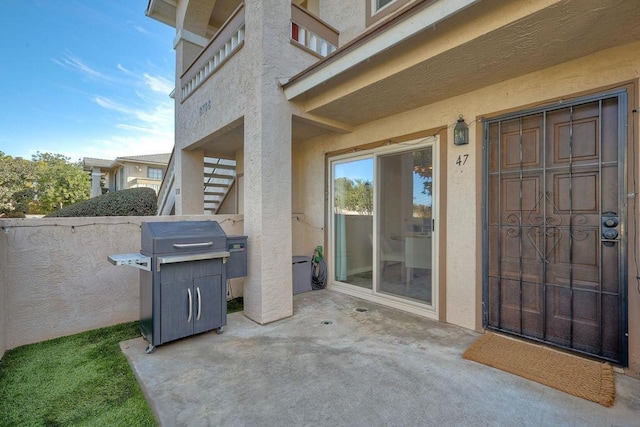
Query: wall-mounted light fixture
pixel 461 132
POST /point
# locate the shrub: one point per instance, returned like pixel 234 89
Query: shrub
pixel 131 202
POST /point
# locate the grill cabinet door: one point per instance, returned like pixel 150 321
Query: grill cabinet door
pixel 175 307
pixel 207 312
pixel 191 298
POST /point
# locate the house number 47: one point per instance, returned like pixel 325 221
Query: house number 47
pixel 462 159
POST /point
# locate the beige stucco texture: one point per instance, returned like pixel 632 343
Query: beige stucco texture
pixel 255 128
pixel 55 279
pixel 610 68
pixel 405 80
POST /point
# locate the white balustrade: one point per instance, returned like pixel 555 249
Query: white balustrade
pixel 311 40
pixel 212 65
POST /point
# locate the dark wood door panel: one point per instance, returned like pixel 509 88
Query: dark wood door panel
pixel 551 176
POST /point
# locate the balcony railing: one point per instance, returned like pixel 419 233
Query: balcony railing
pixel 227 41
pixel 166 196
pixel 311 33
pixel 146 182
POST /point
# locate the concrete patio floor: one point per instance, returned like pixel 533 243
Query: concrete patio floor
pixel 381 367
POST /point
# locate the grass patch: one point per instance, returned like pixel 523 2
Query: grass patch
pixel 236 304
pixel 81 379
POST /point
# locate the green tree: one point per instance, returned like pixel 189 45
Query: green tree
pixel 59 183
pixel 354 195
pixel 17 184
pixel 423 166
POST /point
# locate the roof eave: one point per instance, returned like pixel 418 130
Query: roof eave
pixel 162 11
pixel 384 36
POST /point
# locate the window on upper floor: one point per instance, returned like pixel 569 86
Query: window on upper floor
pixel 154 173
pixel 378 9
pixel 379 4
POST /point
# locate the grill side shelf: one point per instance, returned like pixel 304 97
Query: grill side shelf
pixel 171 259
pixel 134 260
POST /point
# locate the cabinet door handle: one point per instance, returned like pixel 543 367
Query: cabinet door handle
pixel 199 303
pixel 190 306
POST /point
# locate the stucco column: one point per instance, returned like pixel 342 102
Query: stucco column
pixel 189 182
pixel 96 175
pixel 188 164
pixel 268 292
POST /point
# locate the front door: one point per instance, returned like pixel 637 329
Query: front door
pixel 555 241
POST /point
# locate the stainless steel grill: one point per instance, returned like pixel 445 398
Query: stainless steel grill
pixel 184 270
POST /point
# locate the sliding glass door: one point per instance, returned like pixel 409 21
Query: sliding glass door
pixel 404 224
pixel 353 222
pixel 382 206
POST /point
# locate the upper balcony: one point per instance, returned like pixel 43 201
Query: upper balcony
pixel 308 33
pixel 228 40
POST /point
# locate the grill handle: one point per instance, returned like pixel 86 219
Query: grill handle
pixel 192 245
pixel 193 257
pixel 199 303
pixel 190 305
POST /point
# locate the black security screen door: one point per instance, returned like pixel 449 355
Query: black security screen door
pixel 554 239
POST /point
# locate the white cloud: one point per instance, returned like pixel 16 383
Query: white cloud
pixel 124 70
pixel 145 123
pixel 111 105
pixel 72 62
pixel 143 118
pixel 141 30
pixel 158 84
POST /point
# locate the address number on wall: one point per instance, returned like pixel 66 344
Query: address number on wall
pixel 205 107
pixel 462 159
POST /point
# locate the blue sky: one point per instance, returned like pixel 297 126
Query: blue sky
pixel 85 78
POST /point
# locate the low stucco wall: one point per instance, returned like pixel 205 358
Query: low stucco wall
pixel 3 295
pixel 55 278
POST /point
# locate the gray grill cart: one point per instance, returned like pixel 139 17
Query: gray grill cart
pixel 184 270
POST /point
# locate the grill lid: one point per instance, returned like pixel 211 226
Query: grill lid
pixel 182 237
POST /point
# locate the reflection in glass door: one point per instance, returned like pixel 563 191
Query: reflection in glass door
pixel 405 224
pixel 381 224
pixel 353 222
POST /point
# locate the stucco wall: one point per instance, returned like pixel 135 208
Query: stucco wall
pixel 243 74
pixel 140 170
pixel 613 67
pixel 57 280
pixel 3 293
pixel 348 17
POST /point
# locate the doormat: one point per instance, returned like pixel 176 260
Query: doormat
pixel 565 372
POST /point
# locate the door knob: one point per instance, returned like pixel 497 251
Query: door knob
pixel 609 222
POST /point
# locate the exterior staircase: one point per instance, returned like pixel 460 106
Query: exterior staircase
pixel 219 177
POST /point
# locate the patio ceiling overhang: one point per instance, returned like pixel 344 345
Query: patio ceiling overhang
pixel 223 143
pixel 429 53
pixel 163 11
pixel 229 139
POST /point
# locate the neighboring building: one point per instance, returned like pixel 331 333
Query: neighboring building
pixel 126 172
pixel 524 222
